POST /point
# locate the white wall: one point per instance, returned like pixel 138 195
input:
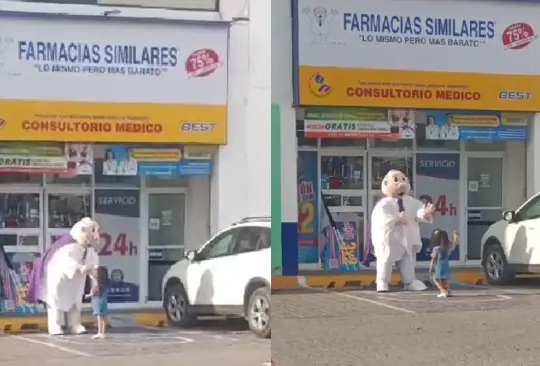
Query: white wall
pixel 197 212
pixel 533 157
pixel 241 179
pixel 515 180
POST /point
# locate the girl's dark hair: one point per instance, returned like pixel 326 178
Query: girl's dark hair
pixel 102 275
pixel 440 239
pixel 430 117
pixel 107 154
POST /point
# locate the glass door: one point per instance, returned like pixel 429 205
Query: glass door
pixel 165 216
pixel 342 178
pixel 379 165
pixel 21 216
pixel 484 199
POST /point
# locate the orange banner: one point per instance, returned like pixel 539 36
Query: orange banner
pixel 112 122
pixel 329 86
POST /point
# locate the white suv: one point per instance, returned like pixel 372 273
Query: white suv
pixel 229 275
pixel 512 246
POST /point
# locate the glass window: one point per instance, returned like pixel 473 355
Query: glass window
pixel 531 211
pixel 247 240
pixel 358 143
pixel 71 179
pixel 342 172
pixel 484 177
pixel 332 200
pixel 351 201
pixel 353 250
pixel 477 228
pixel 220 246
pixel 265 237
pixel 423 143
pixel 382 165
pixel 14 240
pixel 159 181
pixel 166 219
pixel 16 178
pixel 22 264
pixel 66 209
pixel 472 145
pixel 159 262
pixel 19 210
pixel 392 144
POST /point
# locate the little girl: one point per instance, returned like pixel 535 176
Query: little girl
pixel 440 256
pixel 98 294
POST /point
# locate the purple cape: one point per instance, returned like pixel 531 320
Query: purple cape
pixel 37 275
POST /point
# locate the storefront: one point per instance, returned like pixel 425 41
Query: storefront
pixel 120 120
pixel 445 93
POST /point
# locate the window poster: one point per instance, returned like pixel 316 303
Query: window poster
pixel 437 182
pixel 118 213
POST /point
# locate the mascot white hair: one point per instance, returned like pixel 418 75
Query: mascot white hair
pixel 395 231
pixel 59 276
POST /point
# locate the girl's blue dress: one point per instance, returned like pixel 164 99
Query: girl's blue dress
pixel 442 269
pixel 99 301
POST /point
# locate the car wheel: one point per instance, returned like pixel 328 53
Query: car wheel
pixel 496 266
pixel 177 307
pixel 258 312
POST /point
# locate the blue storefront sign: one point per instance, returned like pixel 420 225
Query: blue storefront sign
pixel 475 125
pixel 162 160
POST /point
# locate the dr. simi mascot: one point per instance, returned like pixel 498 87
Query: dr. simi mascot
pixel 59 276
pixel 395 231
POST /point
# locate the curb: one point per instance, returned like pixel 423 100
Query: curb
pixel 151 319
pixel 286 283
pixel 38 323
pixel 23 324
pixel 360 281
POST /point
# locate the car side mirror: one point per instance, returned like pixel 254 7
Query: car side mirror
pixel 191 255
pixel 509 215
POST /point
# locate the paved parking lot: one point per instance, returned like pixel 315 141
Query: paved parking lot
pixel 217 342
pixel 478 326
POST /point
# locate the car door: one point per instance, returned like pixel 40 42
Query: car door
pixel 204 284
pixel 523 235
pixel 245 263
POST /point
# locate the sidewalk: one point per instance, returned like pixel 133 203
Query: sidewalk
pixel 365 279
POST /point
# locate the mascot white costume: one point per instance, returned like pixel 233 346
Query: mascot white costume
pixel 395 231
pixel 59 277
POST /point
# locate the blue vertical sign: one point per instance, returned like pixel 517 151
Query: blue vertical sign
pixel 308 200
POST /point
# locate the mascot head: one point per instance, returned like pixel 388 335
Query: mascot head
pixel 85 232
pixel 395 184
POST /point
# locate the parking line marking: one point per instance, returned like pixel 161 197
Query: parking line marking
pixel 303 283
pixel 52 345
pixel 375 302
pixel 526 291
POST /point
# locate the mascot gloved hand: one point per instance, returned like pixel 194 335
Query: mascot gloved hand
pixel 395 231
pixel 58 277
